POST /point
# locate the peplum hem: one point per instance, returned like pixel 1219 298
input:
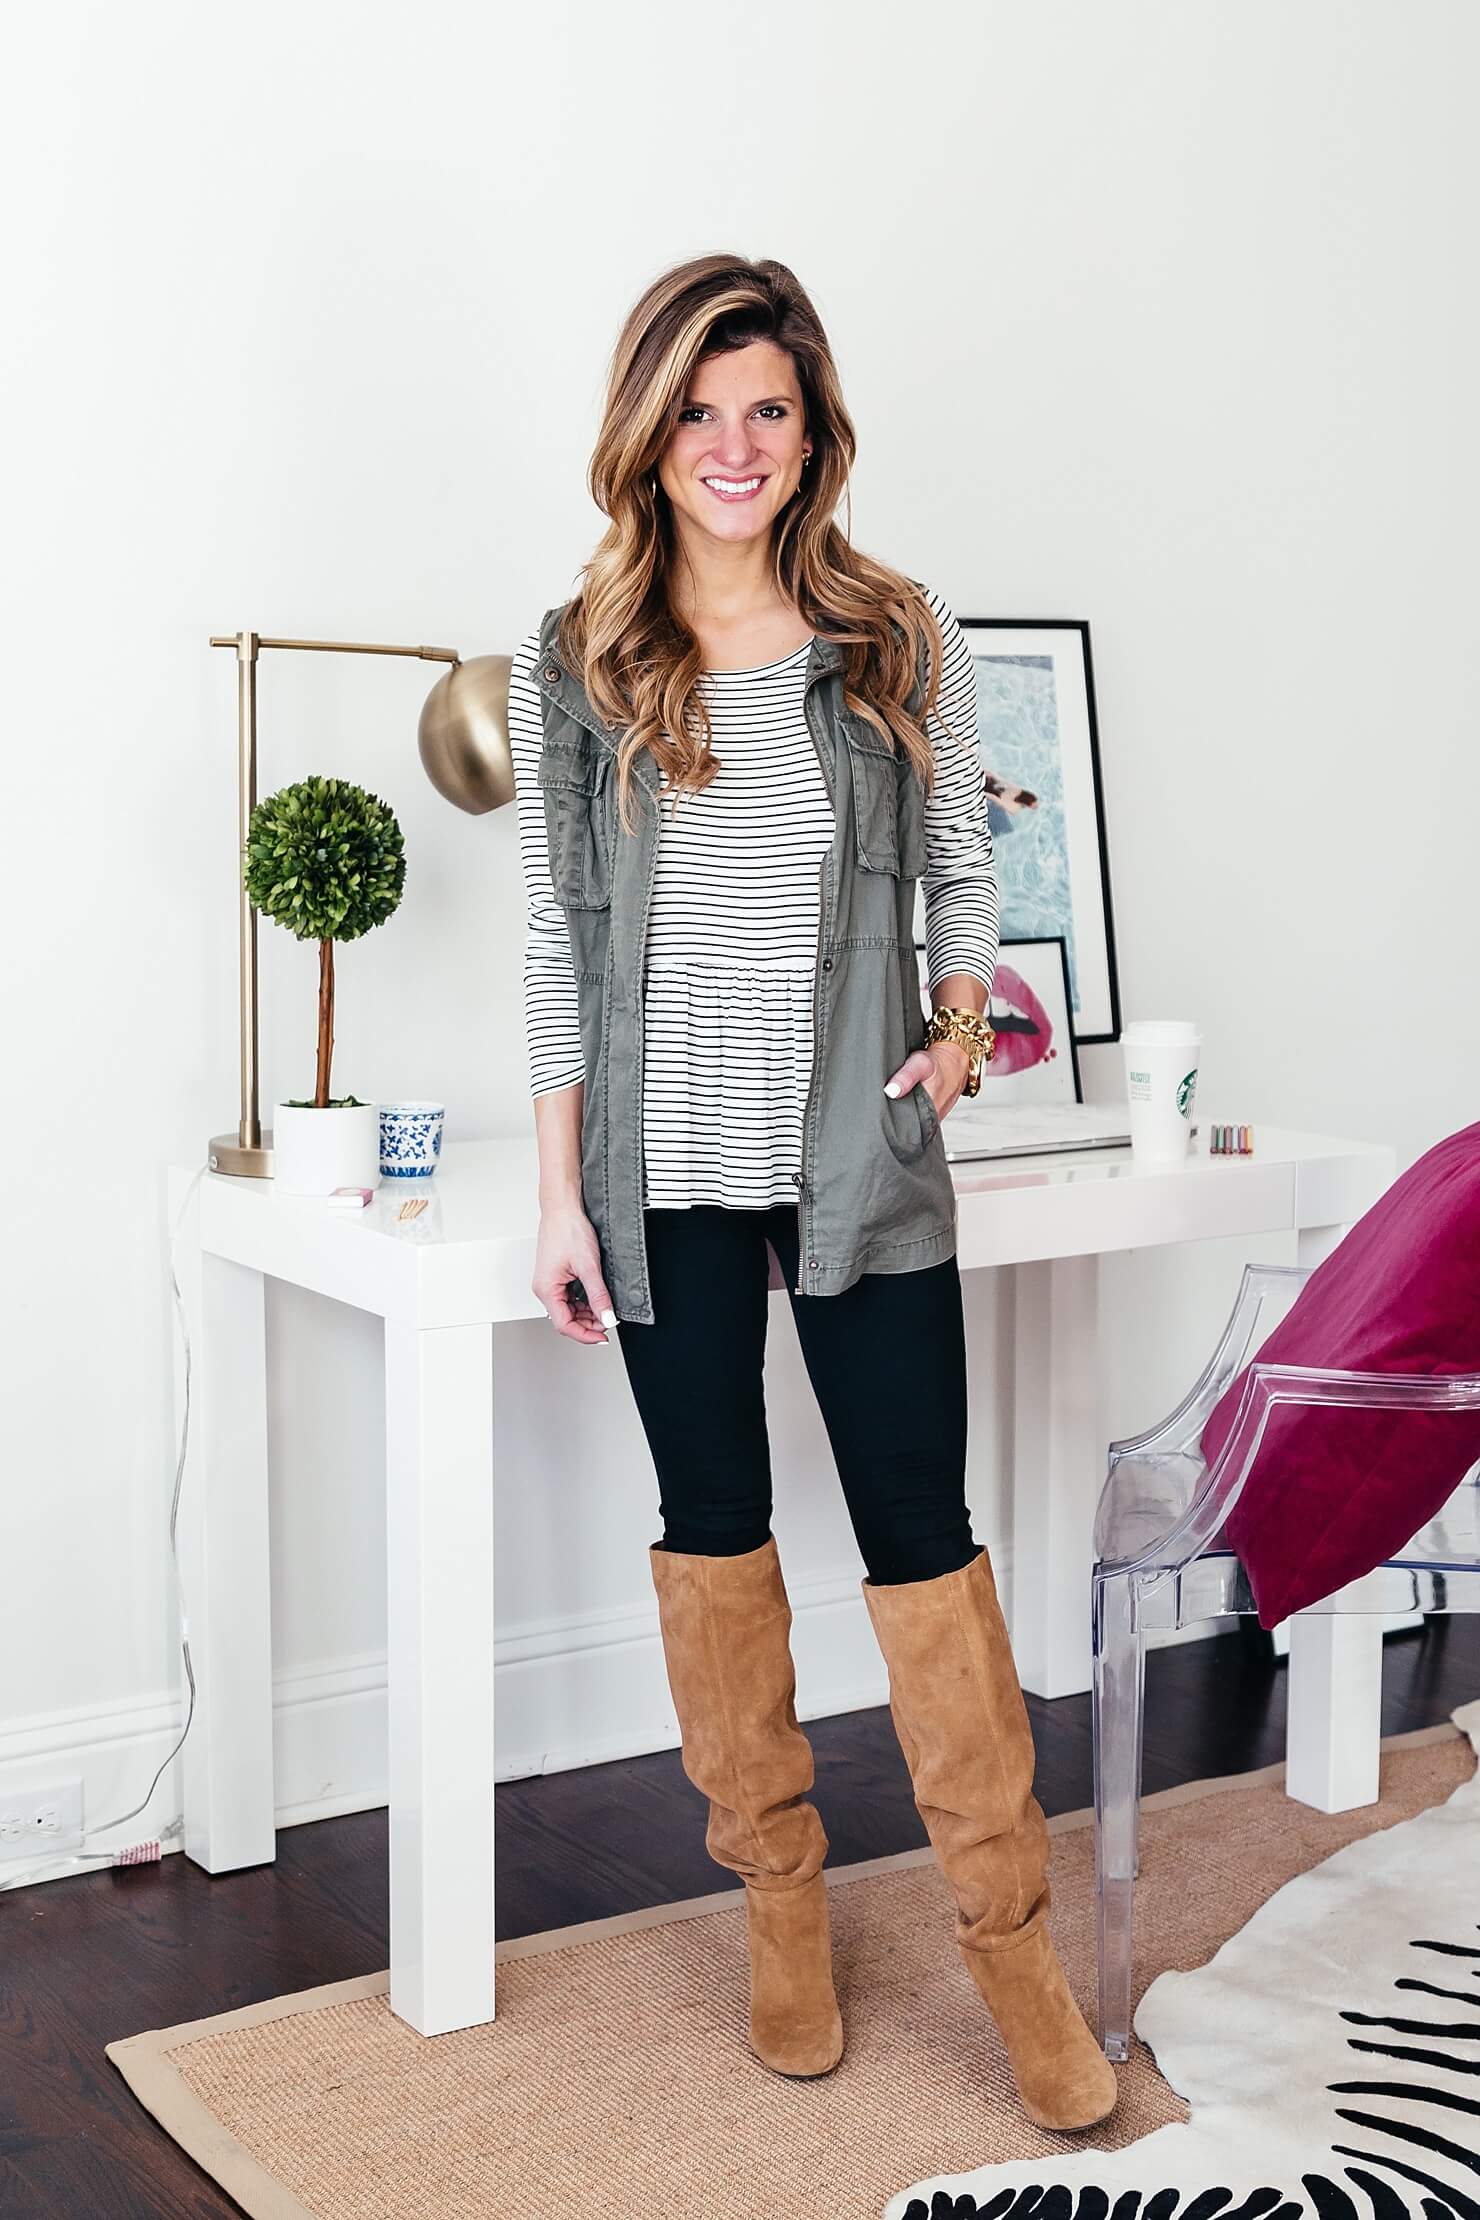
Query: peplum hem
pixel 727 1062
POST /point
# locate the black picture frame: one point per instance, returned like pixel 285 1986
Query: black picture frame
pixel 1041 963
pixel 1062 681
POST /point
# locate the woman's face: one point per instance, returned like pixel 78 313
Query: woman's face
pixel 735 457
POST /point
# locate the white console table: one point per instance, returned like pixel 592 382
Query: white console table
pixel 443 1281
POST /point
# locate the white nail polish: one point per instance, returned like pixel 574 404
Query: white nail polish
pixel 891 1086
pixel 609 1318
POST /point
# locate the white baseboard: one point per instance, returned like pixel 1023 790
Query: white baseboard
pixel 577 1692
pixel 570 1692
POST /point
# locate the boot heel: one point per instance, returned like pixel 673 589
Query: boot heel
pixel 795 2025
pixel 1064 2080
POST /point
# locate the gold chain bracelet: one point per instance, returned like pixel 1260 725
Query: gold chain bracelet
pixel 969 1030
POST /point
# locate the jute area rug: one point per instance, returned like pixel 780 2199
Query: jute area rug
pixel 615 2082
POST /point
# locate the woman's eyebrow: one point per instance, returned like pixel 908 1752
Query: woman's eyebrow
pixel 691 403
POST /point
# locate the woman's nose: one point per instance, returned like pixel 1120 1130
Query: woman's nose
pixel 733 448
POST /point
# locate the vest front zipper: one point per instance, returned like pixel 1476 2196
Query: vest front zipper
pixel 642 1029
pixel 801 1176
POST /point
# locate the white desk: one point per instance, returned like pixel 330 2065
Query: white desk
pixel 444 1281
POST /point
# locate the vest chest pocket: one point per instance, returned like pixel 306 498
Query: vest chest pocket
pixel 888 805
pixel 575 783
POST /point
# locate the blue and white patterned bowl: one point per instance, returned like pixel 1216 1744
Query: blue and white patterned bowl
pixel 410 1139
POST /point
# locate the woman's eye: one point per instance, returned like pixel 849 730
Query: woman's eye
pixel 696 408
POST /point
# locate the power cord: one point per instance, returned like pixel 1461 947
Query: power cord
pixel 144 1853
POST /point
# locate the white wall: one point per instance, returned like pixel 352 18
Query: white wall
pixel 1155 314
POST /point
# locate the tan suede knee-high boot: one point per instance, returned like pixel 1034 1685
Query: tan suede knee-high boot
pixel 962 1723
pixel 726 1625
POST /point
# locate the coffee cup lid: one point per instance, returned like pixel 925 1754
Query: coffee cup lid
pixel 1170 1032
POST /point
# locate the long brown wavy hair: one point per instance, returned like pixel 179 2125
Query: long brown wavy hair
pixel 640 662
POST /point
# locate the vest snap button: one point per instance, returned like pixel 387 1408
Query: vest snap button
pixel 812 1261
pixel 827 963
pixel 552 671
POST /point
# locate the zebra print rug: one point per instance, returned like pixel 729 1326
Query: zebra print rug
pixel 1330 2051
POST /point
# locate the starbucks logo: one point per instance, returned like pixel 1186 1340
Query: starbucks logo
pixel 1186 1091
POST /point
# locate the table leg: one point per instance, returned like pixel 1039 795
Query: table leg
pixel 1334 1698
pixel 1058 1469
pixel 226 1775
pixel 1334 1720
pixel 439 1672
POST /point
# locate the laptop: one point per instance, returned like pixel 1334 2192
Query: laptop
pixel 978 1127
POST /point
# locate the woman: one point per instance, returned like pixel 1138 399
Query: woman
pixel 736 750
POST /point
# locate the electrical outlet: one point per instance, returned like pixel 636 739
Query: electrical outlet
pixel 41 1822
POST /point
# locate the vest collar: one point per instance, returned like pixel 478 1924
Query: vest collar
pixel 561 686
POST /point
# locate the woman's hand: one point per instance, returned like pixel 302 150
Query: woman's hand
pixel 944 1062
pixel 566 1249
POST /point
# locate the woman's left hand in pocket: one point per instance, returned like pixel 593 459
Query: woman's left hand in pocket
pixel 940 1069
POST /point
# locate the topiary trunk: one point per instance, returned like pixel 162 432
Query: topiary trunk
pixel 326 1022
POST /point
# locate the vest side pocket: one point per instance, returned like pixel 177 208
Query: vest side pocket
pixel 929 1115
pixel 575 786
pixel 914 1037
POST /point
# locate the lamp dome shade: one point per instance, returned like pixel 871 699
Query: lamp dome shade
pixel 463 735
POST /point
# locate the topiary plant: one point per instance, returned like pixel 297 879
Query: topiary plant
pixel 327 860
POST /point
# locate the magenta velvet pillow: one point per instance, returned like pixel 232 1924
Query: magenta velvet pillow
pixel 1334 1492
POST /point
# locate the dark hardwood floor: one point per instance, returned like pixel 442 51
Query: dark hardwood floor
pixel 87 1959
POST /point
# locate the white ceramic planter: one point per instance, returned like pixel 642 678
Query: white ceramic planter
pixel 315 1151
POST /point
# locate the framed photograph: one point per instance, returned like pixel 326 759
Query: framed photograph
pixel 1036 1059
pixel 1040 750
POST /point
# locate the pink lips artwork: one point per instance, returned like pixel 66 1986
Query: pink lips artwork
pixel 1024 1029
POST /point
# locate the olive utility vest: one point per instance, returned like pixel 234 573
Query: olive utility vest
pixel 874 1189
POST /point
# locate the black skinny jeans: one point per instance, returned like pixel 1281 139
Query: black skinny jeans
pixel 887 1362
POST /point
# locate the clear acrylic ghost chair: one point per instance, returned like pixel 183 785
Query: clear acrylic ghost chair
pixel 1160 1561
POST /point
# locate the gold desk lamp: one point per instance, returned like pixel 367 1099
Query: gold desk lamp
pixel 463 740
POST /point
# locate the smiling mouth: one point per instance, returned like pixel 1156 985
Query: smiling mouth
pixel 734 489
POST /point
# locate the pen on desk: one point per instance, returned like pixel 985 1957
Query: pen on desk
pixel 1231 1140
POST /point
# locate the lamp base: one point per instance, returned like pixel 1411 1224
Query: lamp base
pixel 227 1153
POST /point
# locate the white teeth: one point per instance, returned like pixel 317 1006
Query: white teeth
pixel 733 485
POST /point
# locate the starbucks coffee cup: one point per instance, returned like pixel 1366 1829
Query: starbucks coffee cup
pixel 1161 1057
